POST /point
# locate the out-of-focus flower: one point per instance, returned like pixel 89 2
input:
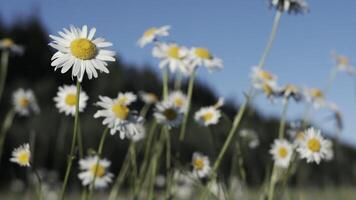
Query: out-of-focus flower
pixel 343 63
pixel 250 136
pixel 171 56
pixel 199 56
pixel 291 6
pixel 209 115
pixel 314 147
pixel 281 151
pixel 25 102
pixel 77 49
pixel 315 96
pixel 337 115
pixel 160 181
pixel 141 133
pixel 9 44
pixel 201 165
pixel 148 97
pixel 118 116
pixel 151 35
pixel 21 155
pixel 182 185
pixel 291 91
pixel 94 168
pixel 168 114
pixel 126 98
pixel 66 99
pixel 179 100
pixel 264 81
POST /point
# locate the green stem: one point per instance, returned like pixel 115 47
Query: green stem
pixel 72 149
pixel 4 64
pixel 144 110
pixel 331 80
pixel 80 141
pixel 186 114
pixel 168 163
pixel 134 167
pixel 99 152
pixel 272 36
pixel 283 120
pixel 39 184
pixel 4 129
pixel 272 183
pixel 178 81
pixel 165 83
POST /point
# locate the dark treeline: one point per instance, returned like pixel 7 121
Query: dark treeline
pixel 33 70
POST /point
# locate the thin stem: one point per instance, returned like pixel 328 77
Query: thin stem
pixel 4 64
pixel 39 184
pixel 178 81
pixel 168 163
pixel 4 129
pixel 165 83
pixel 331 79
pixel 80 141
pixel 189 100
pixel 72 149
pixel 144 110
pixel 133 161
pixel 283 120
pixel 272 183
pixel 272 36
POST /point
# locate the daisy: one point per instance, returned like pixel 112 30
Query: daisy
pixel 315 96
pixel 141 133
pixel 25 102
pixel 151 35
pixel 179 100
pixel 171 56
pixel 168 114
pixel 67 97
pixel 77 49
pixel 118 116
pixel 209 115
pixel 201 165
pixel 9 44
pixel 295 6
pixel 92 168
pixel 22 155
pixel 251 137
pixel 199 56
pixel 182 185
pixel 148 97
pixel 343 63
pixel 314 147
pixel 291 91
pixel 126 98
pixel 282 153
pixel 263 80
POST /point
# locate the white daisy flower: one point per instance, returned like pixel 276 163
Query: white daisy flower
pixel 78 50
pixel 151 35
pixel 66 99
pixel 343 63
pixel 314 147
pixel 315 96
pixel 141 133
pixel 259 76
pixel 209 115
pixel 172 56
pixel 182 185
pixel 199 56
pixel 126 98
pixel 9 44
pixel 251 137
pixel 281 151
pixel 92 168
pixel 201 165
pixel 22 155
pixel 160 181
pixel 292 6
pixel 25 102
pixel 168 114
pixel 148 97
pixel 291 91
pixel 179 100
pixel 118 116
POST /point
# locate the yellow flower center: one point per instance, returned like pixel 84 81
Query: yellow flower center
pixel 300 135
pixel 71 99
pixel 314 145
pixel 207 116
pixel 7 42
pixel 173 52
pixel 24 102
pixel 121 111
pixel 97 170
pixel 282 152
pixel 150 32
pixel 198 163
pixel 202 53
pixel 83 49
pixel 316 93
pixel 23 158
pixel 265 75
pixel 343 60
pixel 170 114
pixel 178 102
pixel 267 89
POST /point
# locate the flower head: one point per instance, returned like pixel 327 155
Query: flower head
pixel 25 102
pixel 201 165
pixel 168 114
pixel 315 96
pixel 67 97
pixel 264 81
pixel 22 155
pixel 343 63
pixel 118 116
pixel 171 56
pixel 148 97
pixel 250 137
pixel 94 168
pixel 9 44
pixel 291 6
pixel 291 91
pixel 77 49
pixel 199 56
pixel 151 35
pixel 179 100
pixel 209 115
pixel 314 147
pixel 282 152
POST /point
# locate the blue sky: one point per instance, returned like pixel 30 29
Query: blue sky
pixel 235 30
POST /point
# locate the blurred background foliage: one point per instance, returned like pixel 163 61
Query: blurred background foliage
pixel 53 131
